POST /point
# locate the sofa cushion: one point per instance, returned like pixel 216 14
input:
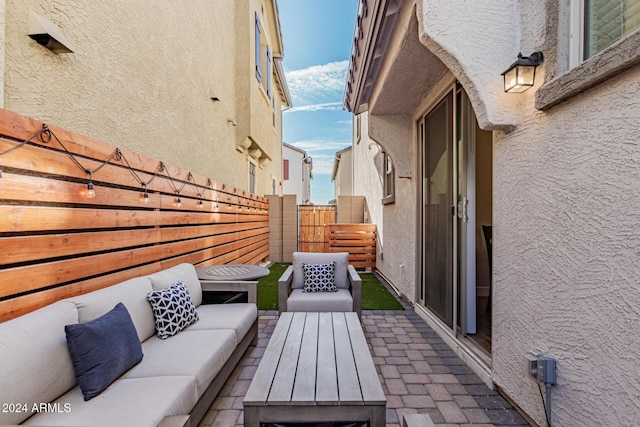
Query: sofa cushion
pixel 139 402
pixel 173 309
pixel 132 293
pixel 319 277
pixel 103 349
pixel 35 366
pixel 238 317
pixel 341 259
pixel 341 301
pixel 183 272
pixel 198 354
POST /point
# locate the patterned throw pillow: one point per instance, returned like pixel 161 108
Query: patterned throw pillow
pixel 173 309
pixel 319 277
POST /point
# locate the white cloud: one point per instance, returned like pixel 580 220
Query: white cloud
pixel 323 164
pixel 317 145
pixel 323 153
pixel 315 107
pixel 318 84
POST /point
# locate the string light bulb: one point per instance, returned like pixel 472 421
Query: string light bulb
pixel 177 203
pixel 91 192
pixel 200 204
pixel 144 197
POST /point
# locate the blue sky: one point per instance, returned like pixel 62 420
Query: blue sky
pixel 317 46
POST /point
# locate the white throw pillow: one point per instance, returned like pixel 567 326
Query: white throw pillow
pixel 173 309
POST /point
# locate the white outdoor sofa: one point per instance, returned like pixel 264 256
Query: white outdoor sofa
pixel 173 385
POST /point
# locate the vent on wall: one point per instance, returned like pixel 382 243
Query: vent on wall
pixel 47 34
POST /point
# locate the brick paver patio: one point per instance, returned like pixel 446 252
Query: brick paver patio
pixel 418 371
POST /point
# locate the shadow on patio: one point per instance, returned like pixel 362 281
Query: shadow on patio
pixel 418 371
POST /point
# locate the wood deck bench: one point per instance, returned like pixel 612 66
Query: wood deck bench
pixel 316 368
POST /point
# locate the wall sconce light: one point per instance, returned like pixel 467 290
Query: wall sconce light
pixel 47 34
pixel 521 75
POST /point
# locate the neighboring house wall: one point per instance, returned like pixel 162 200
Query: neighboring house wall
pixel 296 174
pixel 139 80
pixel 566 209
pixel 342 175
pixel 396 222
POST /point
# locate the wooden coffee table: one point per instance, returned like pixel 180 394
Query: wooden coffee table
pixel 316 368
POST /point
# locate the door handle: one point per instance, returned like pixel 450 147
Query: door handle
pixel 462 209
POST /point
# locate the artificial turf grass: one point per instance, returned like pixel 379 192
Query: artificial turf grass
pixel 374 295
pixel 268 287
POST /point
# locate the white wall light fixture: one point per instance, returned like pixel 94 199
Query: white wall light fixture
pixel 521 75
pixel 47 34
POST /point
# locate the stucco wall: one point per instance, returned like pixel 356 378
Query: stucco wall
pixel 294 184
pixel 343 183
pixel 566 254
pixel 395 222
pixel 142 77
pixel 566 211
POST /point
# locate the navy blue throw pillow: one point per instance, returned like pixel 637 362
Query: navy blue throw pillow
pixel 103 349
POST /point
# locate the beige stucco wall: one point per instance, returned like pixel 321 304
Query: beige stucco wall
pixel 566 211
pixel 141 78
pixel 395 222
pixel 343 179
pixel 565 216
pixel 566 255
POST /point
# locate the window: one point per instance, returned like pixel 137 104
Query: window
pixel 597 24
pixel 273 112
pixel 258 48
pixel 597 43
pixel 389 195
pixel 264 68
pixel 268 72
pixel 252 178
pixel 285 169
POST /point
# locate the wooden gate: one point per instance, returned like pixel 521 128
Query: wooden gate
pixel 314 221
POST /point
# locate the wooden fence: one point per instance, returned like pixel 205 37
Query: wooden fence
pixel 313 223
pixel 58 240
pixel 357 239
pixel 318 232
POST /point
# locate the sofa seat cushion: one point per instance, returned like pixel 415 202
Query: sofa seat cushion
pixel 340 258
pixel 136 402
pixel 35 365
pixel 132 293
pixel 341 300
pixel 238 317
pixel 186 273
pixel 103 349
pixel 197 354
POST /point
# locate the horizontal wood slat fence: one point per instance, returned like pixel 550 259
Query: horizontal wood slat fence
pixel 357 239
pixel 56 242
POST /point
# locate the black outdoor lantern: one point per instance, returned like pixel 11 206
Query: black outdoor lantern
pixel 521 75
